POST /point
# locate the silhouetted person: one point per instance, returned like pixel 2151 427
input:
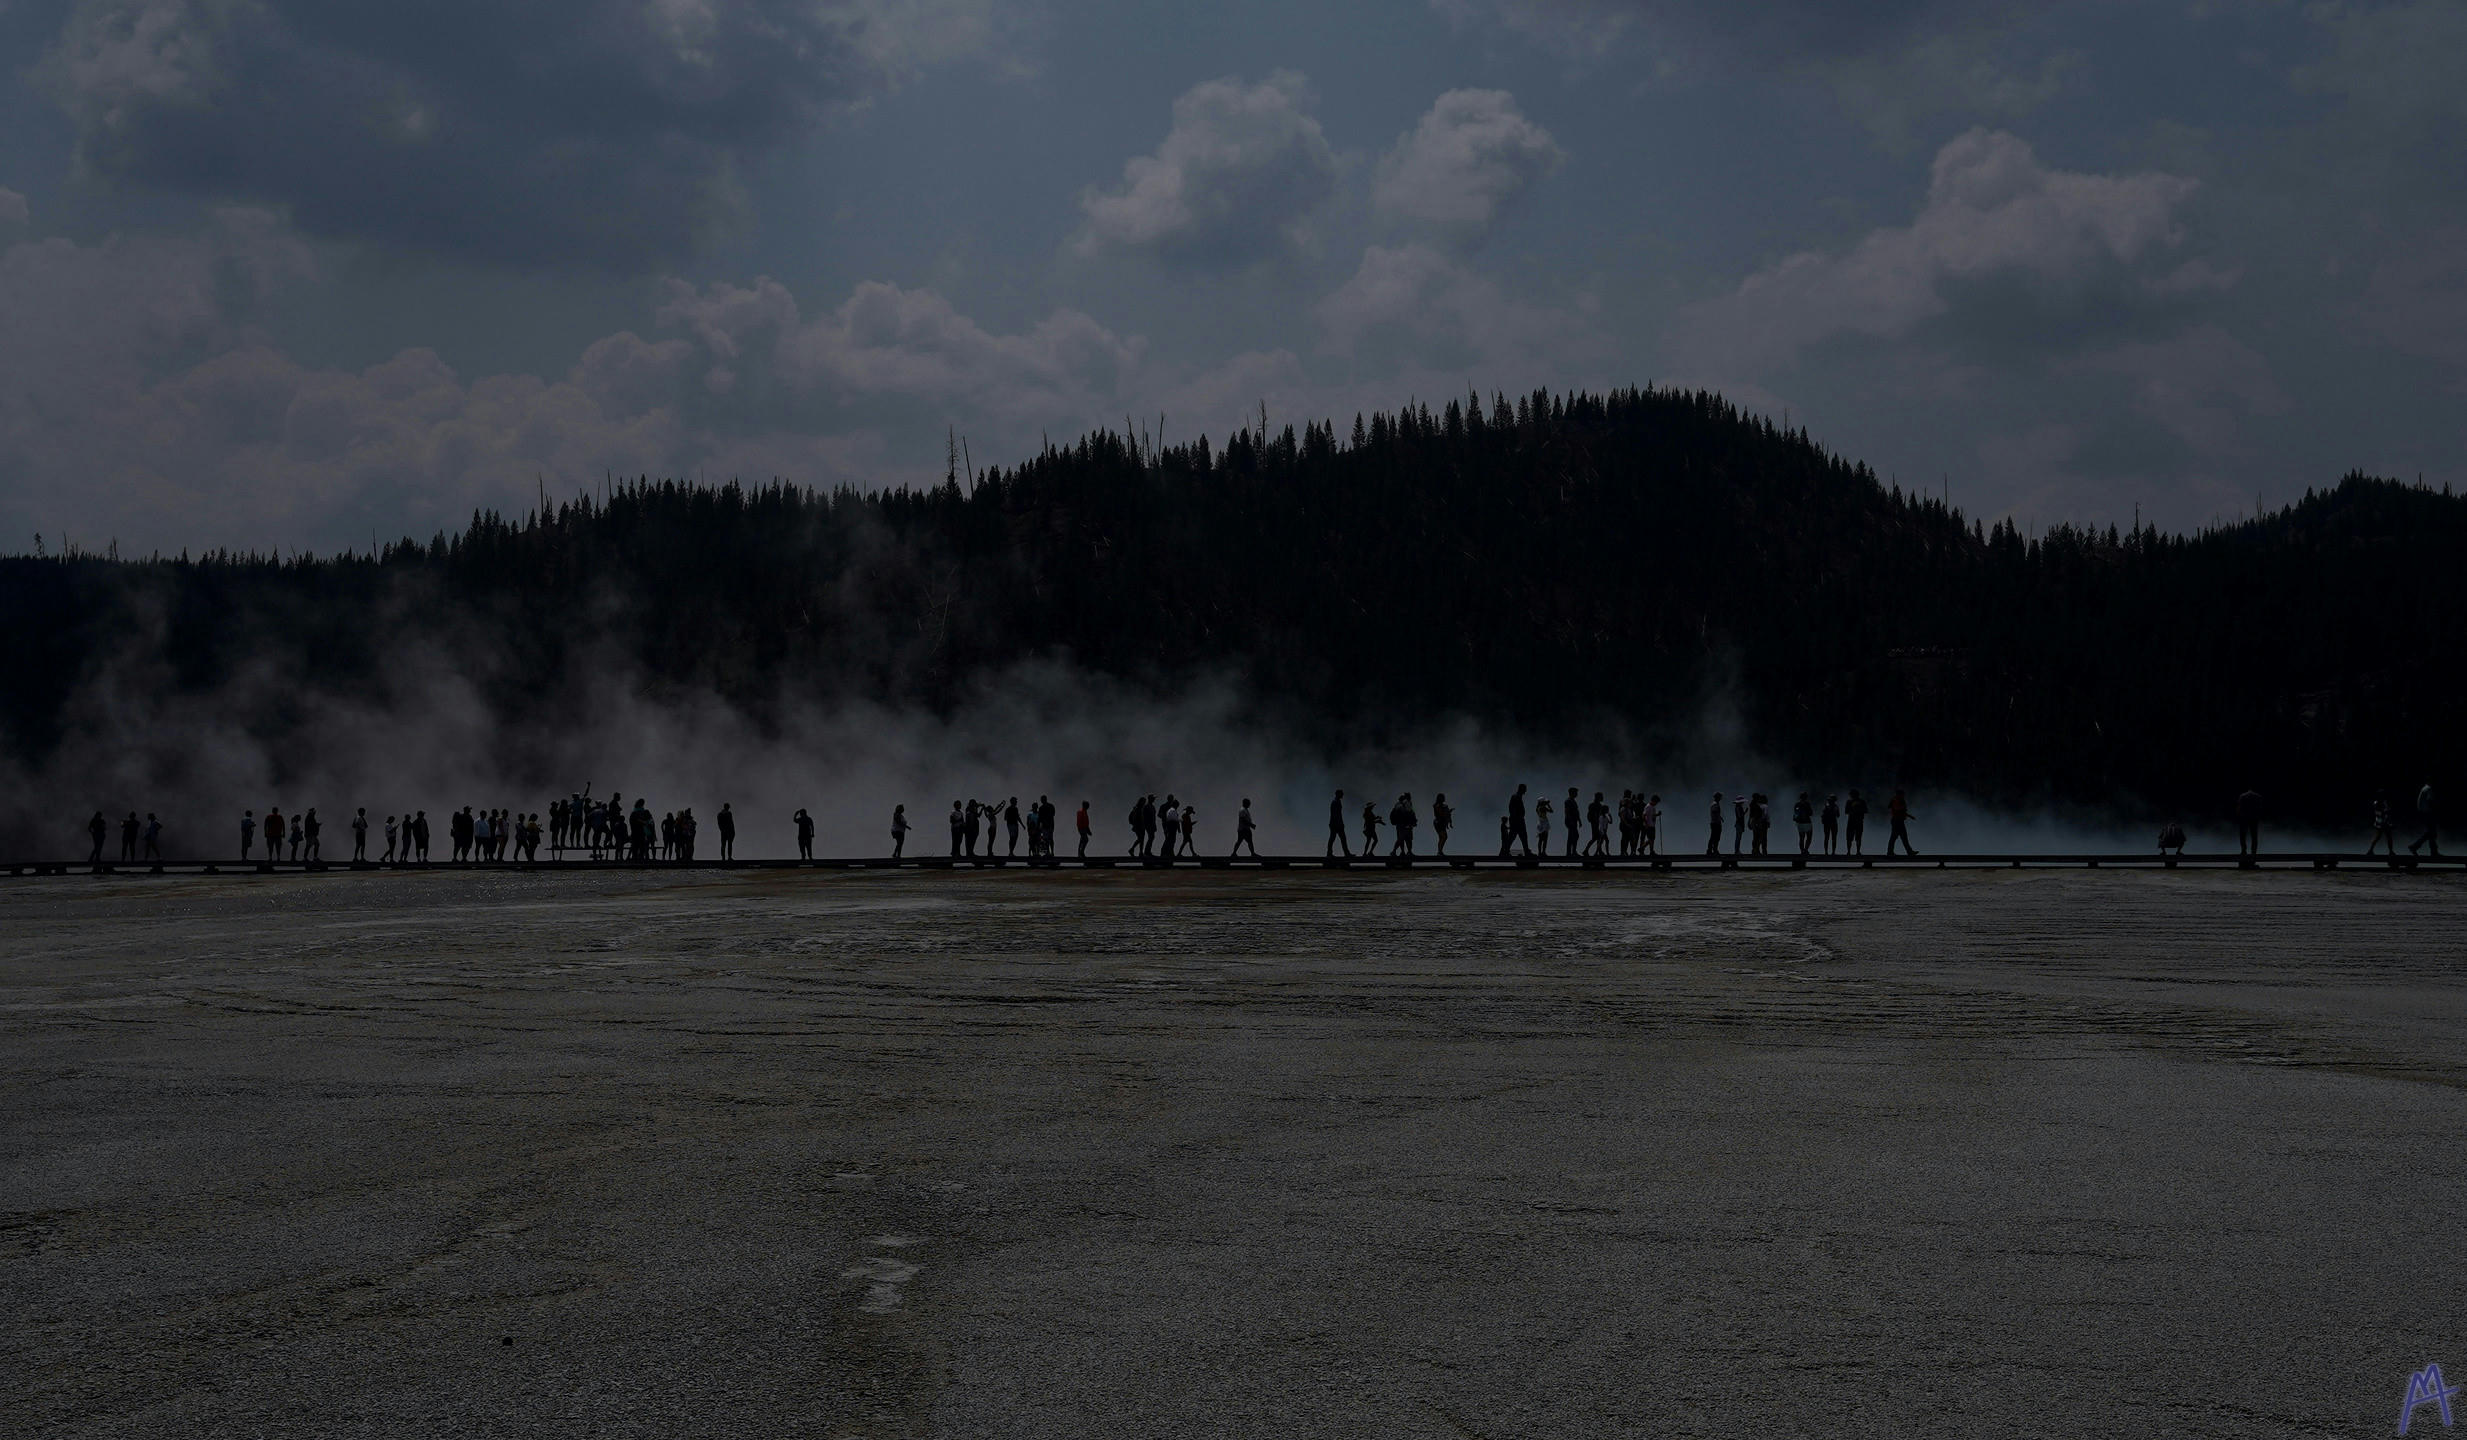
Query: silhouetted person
pixel 304 834
pixel 1832 816
pixel 1652 824
pixel 154 837
pixel 1713 842
pixel 1443 819
pixel 248 831
pixel 1190 830
pixel 1897 810
pixel 2248 823
pixel 98 828
pixel 2385 827
pixel 1245 831
pixel 959 828
pixel 393 834
pixel 1803 814
pixel 128 838
pixel 1597 815
pixel 1370 828
pixel 1082 823
pixel 1336 826
pixel 1738 822
pixel 1169 822
pixel 727 822
pixel 359 836
pixel 1854 824
pixel 1541 823
pixel 2171 838
pixel 1401 823
pixel 1504 833
pixel 419 834
pixel 274 833
pixel 1759 823
pixel 1010 823
pixel 2430 818
pixel 1516 823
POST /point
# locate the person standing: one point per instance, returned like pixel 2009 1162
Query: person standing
pixel 1572 819
pixel 154 837
pixel 1082 823
pixel 1190 830
pixel 1738 821
pixel 1597 815
pixel 359 836
pixel 2430 819
pixel 390 836
pixel 309 831
pixel 1370 828
pixel 1897 810
pixel 1516 824
pixel 274 833
pixel 1803 815
pixel 1832 816
pixel 1854 824
pixel 727 820
pixel 1443 819
pixel 1652 824
pixel 419 834
pixel 2248 823
pixel 1759 822
pixel 1713 842
pixel 248 831
pixel 1245 831
pixel 1336 827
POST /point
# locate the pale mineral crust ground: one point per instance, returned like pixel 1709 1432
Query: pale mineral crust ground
pixel 1207 1154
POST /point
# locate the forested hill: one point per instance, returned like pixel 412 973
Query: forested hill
pixel 1578 567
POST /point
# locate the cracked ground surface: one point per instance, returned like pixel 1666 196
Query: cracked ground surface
pixel 1206 1154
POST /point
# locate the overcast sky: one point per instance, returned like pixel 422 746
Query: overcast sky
pixel 296 272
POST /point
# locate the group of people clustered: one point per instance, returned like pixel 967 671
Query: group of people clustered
pixel 604 829
pixel 1638 817
pixel 1170 827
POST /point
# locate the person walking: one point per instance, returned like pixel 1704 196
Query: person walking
pixel 2430 819
pixel 98 829
pixel 390 837
pixel 959 826
pixel 1370 828
pixel 2385 827
pixel 1898 811
pixel 1597 817
pixel 1336 827
pixel 359 836
pixel 307 833
pixel 1083 829
pixel 1443 819
pixel 2248 823
pixel 154 837
pixel 1651 823
pixel 1245 829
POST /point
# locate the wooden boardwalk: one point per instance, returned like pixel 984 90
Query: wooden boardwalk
pixel 1627 864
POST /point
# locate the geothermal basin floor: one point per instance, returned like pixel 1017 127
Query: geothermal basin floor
pixel 1186 1153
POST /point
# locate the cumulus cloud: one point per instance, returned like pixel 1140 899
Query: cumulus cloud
pixel 1471 157
pixel 1412 307
pixel 137 402
pixel 2005 251
pixel 1236 179
pixel 607 131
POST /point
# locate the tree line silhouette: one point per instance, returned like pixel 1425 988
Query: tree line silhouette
pixel 1586 570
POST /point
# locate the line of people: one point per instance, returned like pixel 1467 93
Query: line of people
pixel 1638 820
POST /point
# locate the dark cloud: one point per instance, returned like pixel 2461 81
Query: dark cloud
pixel 605 131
